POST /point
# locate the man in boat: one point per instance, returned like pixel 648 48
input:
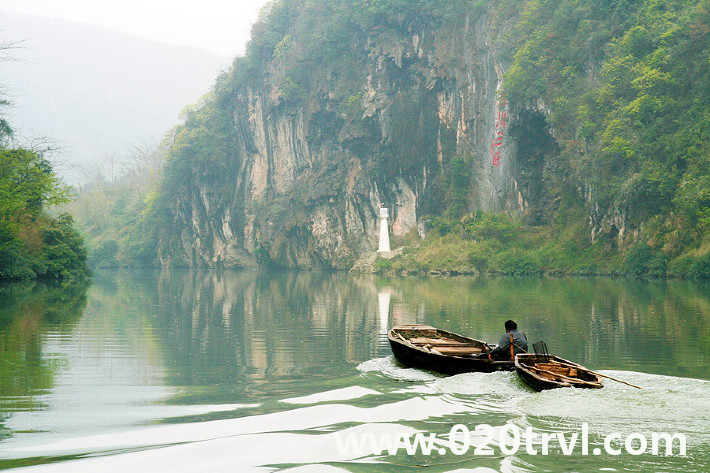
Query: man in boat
pixel 512 338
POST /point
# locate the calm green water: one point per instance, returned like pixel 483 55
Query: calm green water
pixel 247 371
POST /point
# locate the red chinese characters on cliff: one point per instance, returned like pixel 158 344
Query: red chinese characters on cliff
pixel 501 123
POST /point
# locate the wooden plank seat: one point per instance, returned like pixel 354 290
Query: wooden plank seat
pixel 438 342
pixel 433 341
pixel 557 369
pixel 462 345
pixel 461 350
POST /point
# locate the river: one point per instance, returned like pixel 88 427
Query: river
pixel 241 371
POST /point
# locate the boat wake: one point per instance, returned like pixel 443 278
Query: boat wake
pixel 499 383
pixel 665 403
pixel 389 368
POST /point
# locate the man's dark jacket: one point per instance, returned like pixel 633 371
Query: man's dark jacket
pixel 520 345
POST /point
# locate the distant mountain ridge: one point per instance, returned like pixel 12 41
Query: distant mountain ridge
pixel 96 91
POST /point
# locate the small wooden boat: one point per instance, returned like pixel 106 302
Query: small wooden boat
pixel 429 348
pixel 542 372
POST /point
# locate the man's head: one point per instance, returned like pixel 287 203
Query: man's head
pixel 510 325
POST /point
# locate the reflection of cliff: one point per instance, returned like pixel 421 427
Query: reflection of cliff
pixel 260 326
pixel 264 326
pixel 250 332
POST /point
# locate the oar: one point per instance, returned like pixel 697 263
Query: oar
pixel 602 375
pixel 614 379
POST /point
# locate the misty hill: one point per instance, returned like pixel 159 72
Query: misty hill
pixel 94 90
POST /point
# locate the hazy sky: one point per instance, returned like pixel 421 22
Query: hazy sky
pixel 220 26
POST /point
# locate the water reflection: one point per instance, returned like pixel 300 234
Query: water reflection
pixel 27 310
pixel 191 349
pixel 240 330
pixel 246 328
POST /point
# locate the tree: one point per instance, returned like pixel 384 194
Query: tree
pixel 5 129
pixel 27 184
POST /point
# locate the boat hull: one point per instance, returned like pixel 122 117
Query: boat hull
pixel 417 357
pixel 539 383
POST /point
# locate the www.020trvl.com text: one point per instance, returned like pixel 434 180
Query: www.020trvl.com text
pixel 509 440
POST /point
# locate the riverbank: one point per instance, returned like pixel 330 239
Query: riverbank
pixel 492 244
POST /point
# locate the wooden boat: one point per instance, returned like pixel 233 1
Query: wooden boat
pixel 542 372
pixel 429 348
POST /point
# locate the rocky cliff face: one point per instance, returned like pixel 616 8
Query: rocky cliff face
pixel 304 178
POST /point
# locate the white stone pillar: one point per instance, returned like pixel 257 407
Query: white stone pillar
pixel 384 231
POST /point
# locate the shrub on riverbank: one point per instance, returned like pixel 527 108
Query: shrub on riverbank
pixel 486 243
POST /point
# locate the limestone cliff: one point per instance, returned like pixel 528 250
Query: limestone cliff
pixel 306 164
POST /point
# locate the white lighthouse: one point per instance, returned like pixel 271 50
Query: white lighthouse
pixel 384 231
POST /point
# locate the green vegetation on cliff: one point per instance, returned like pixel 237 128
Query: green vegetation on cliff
pixel 623 87
pixel 634 121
